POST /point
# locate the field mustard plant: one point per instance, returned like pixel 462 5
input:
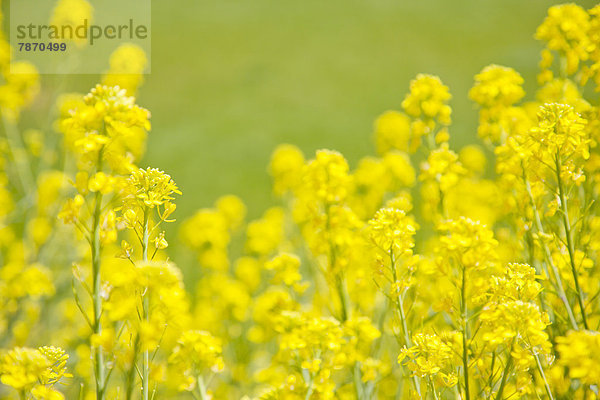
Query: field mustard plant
pixel 421 271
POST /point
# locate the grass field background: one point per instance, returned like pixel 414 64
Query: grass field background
pixel 231 79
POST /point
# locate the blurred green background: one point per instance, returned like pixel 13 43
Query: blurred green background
pixel 231 79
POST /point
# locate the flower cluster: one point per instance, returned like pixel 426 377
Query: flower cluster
pixel 196 352
pixel 496 90
pixel 34 372
pixel 578 353
pixel 430 356
pixel 106 125
pixel 414 272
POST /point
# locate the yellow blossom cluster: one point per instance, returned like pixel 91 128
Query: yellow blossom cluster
pixel 577 351
pixel 34 372
pixel 421 271
pixel 429 356
pixel 496 90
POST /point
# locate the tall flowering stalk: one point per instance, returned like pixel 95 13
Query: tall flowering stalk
pixel 106 132
pixel 327 223
pixel 392 232
pixel 492 281
pixel 146 191
pixel 96 285
pixel 467 256
pixel 561 142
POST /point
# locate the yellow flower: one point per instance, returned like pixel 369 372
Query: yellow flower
pixel 41 392
pixel 40 229
pixel 264 235
pixel 316 345
pixel 20 88
pixel 101 182
pixel 431 354
pixel 561 131
pixel 565 30
pixel 158 275
pixel 579 351
pixel 150 188
pixel 248 270
pixel 23 368
pixel 428 99
pixel 469 242
pixel 518 283
pixel 442 166
pixel 58 364
pixel 19 281
pixel 392 132
pixel 563 91
pixel 496 90
pixel 285 168
pixel 196 353
pixel 50 185
pixel 233 209
pixel 497 86
pixel 473 159
pixel 326 177
pixel 286 267
pixel 107 119
pixel 371 180
pixel 72 13
pixel 392 230
pixel 399 169
pixel 207 232
pixel 160 242
pixel 510 319
pixel 127 65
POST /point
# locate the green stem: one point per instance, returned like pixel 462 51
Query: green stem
pixel 465 333
pixel 22 162
pixel 491 378
pixel 562 72
pixel 202 388
pixel 146 306
pixel 99 367
pixel 130 380
pixel 357 382
pixel 569 237
pixel 343 297
pixel 505 375
pixel 309 392
pixel 432 386
pixel 400 307
pixel 559 285
pixel 415 379
pixel 370 387
pixel 339 279
pixel 443 213
pixel 541 370
pixel 431 141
